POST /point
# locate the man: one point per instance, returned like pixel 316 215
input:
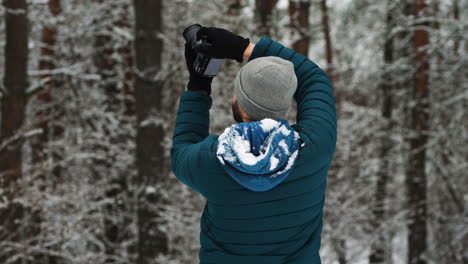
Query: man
pixel 263 179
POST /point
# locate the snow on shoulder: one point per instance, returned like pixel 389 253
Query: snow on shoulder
pixel 268 124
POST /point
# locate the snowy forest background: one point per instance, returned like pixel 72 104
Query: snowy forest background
pixel 88 101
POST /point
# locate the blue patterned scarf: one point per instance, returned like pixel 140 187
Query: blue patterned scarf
pixel 260 154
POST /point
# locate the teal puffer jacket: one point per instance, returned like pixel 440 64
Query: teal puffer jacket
pixel 280 225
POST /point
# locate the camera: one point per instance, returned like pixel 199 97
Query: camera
pixel 203 65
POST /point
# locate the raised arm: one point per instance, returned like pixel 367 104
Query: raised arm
pixel 316 111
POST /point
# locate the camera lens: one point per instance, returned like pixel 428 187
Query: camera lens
pixel 190 34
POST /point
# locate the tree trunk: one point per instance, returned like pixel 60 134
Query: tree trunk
pixel 339 245
pixel 234 7
pixel 299 22
pixel 456 16
pixel 150 133
pixel 378 252
pixel 326 36
pixel 263 14
pixel 329 53
pixel 13 96
pixel 13 101
pixel 416 181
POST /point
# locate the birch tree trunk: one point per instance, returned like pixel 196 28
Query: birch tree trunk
pixel 150 132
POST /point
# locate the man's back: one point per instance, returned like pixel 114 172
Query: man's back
pixel 279 225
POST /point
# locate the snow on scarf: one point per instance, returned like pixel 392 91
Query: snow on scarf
pixel 258 155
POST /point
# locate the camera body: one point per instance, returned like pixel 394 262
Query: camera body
pixel 203 65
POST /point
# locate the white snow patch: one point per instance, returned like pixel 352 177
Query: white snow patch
pixel 291 160
pixel 296 135
pixel 273 162
pixel 124 33
pixel 242 148
pixel 290 163
pixel 33 132
pixel 150 190
pixel 285 147
pixel 221 150
pixel 221 159
pixel 284 130
pixel 224 134
pixel 268 124
pixel 155 121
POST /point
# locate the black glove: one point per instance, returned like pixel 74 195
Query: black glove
pixel 223 44
pixel 196 82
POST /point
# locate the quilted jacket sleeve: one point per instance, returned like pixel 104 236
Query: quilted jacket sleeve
pixel 191 140
pixel 316 111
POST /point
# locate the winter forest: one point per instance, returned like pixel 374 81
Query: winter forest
pixel 89 95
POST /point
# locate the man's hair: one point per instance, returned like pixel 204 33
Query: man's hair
pixel 236 113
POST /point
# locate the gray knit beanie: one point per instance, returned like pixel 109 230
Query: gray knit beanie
pixel 265 86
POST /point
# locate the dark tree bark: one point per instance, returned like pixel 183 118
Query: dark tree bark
pixel 13 226
pixel 339 245
pixel 456 16
pixel 150 133
pixel 416 179
pixel 378 252
pixel 299 22
pixel 234 7
pixel 328 43
pixel 329 53
pixel 13 97
pixel 263 15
